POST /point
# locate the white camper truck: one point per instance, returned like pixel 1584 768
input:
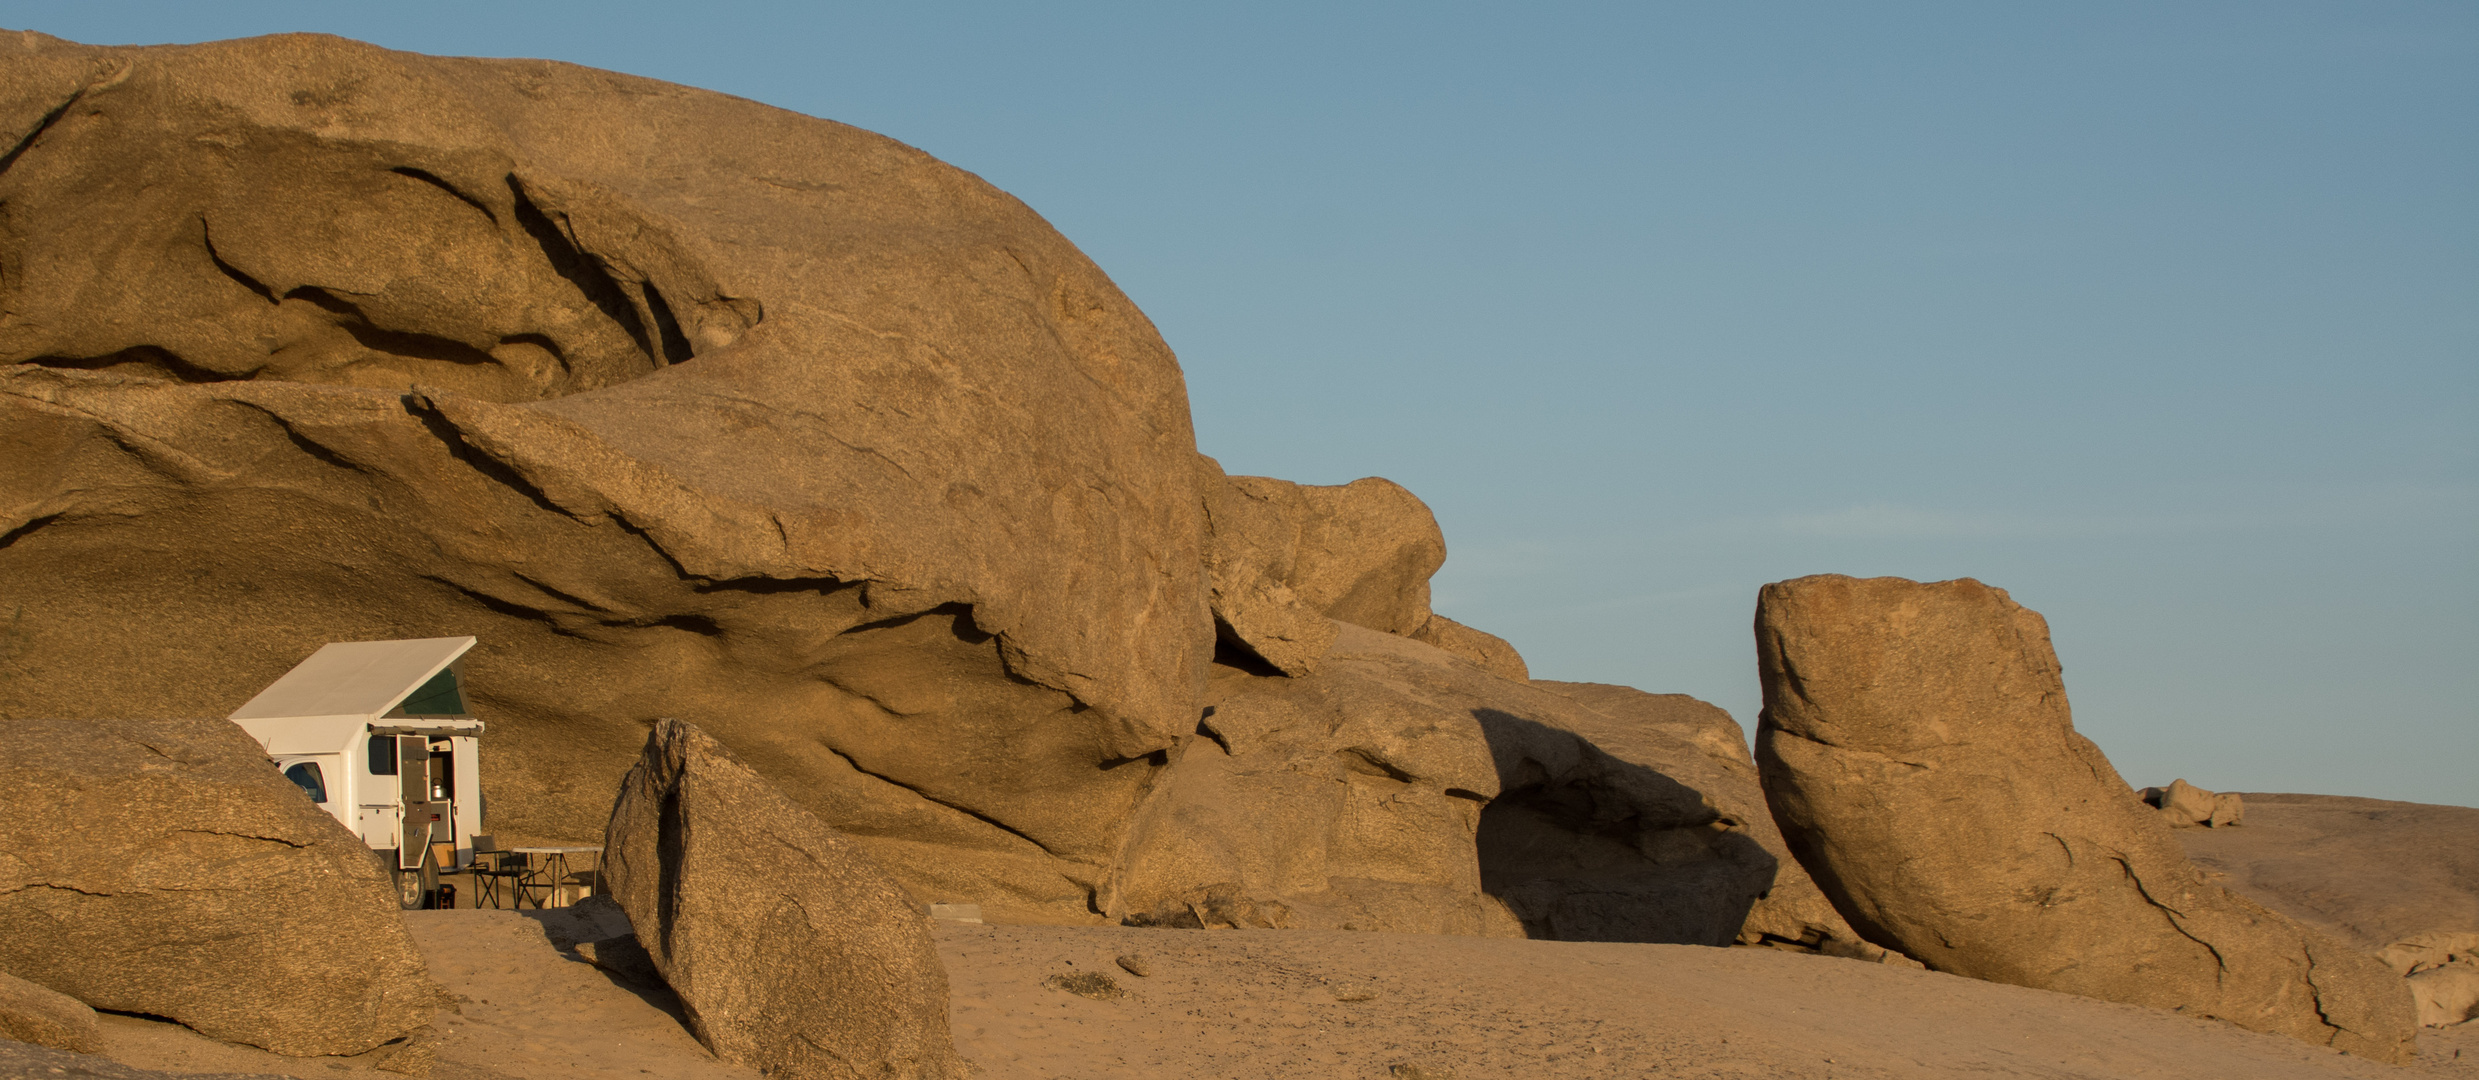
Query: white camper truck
pixel 376 733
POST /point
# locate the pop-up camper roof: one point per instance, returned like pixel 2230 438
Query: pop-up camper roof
pixel 365 681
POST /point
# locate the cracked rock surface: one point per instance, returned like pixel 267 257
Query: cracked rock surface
pixel 1920 759
pixel 162 867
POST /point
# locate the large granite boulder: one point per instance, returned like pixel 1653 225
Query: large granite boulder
pixel 1919 756
pixel 683 404
pixel 164 867
pixel 792 952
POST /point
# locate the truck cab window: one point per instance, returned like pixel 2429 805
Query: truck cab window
pixel 306 774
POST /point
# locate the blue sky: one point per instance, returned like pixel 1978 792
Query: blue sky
pixel 2164 317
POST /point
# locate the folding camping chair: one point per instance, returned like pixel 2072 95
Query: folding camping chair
pixel 497 873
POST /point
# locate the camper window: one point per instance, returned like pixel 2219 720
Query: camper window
pixel 438 697
pixel 382 755
pixel 312 784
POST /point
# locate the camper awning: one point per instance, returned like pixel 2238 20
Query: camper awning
pixel 362 678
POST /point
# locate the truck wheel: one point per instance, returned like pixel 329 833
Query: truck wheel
pixel 409 890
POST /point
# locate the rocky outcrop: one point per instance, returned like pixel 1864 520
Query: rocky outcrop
pixel 1346 799
pixel 683 404
pixel 2185 806
pixel 164 867
pixel 1694 744
pixel 1492 653
pixel 791 951
pixel 46 1017
pixel 1250 559
pixel 2442 967
pixel 2368 871
pixel 1283 558
pixel 1401 787
pixel 1918 754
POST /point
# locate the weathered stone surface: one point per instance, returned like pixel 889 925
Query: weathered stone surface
pixel 683 404
pixel 2185 806
pixel 1346 799
pixel 1285 557
pixel 2368 871
pixel 1918 754
pixel 46 1017
pixel 2442 967
pixel 1249 563
pixel 164 867
pixel 1491 652
pixel 1400 787
pixel 1697 745
pixel 2432 949
pixel 2447 994
pixel 1360 552
pixel 792 952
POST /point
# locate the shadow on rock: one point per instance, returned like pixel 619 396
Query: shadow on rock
pixel 1604 849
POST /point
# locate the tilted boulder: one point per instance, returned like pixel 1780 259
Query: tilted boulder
pixel 683 404
pixel 165 867
pixel 792 952
pixel 1918 753
pixel 46 1017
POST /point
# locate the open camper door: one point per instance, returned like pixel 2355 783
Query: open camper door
pixel 379 735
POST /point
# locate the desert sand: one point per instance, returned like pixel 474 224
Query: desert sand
pixel 1251 1004
pixel 1264 1004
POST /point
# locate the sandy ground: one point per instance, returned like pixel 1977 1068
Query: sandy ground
pixel 1267 1004
pixel 1262 1005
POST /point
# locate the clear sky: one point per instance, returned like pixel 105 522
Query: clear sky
pixel 2163 316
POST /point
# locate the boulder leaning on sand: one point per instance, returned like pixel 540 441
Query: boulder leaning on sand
pixel 164 867
pixel 791 951
pixel 46 1017
pixel 1919 756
